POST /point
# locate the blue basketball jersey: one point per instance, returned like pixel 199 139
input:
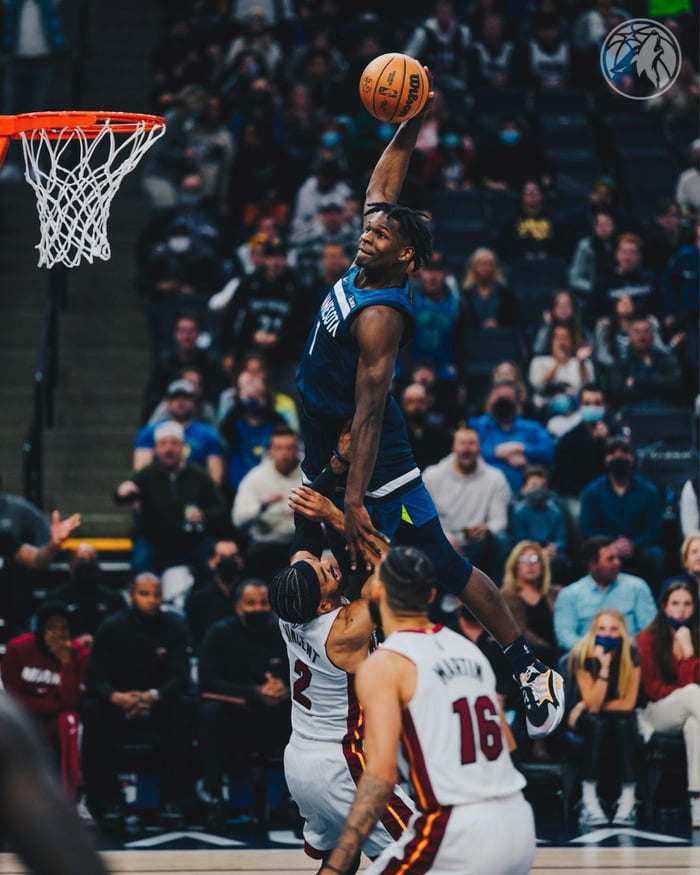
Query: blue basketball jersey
pixel 326 383
pixel 327 370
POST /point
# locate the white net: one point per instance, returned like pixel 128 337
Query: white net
pixel 75 178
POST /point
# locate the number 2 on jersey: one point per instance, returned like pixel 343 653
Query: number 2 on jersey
pixel 488 726
pixel 301 683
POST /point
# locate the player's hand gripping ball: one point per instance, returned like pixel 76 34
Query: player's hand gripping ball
pixel 394 87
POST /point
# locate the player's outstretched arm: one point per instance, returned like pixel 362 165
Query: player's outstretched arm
pixel 388 176
pixel 378 332
pixel 378 683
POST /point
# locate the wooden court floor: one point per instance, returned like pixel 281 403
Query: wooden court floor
pixel 549 861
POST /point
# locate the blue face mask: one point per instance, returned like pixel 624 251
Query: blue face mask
pixel 607 642
pixel 676 624
pixel 509 137
pixel 592 413
pixel 385 131
pixel 330 139
pixel 560 405
pixel 450 141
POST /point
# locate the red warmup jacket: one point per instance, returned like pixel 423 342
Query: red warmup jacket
pixel 687 670
pixel 39 681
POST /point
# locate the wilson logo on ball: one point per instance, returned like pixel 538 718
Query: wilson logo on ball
pixel 413 93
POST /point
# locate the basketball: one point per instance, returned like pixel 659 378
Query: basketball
pixel 394 87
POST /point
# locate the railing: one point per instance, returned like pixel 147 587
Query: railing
pixel 44 385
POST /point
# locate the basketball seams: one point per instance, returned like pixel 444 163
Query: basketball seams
pixel 400 100
pixel 378 80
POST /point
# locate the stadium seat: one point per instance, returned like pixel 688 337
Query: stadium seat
pixel 497 102
pixel 580 165
pixel 639 135
pixel 651 425
pixel 667 466
pixel 546 273
pixel 457 244
pixel 458 209
pixel 561 104
pixel 494 345
pixel 532 302
pixel 575 137
pixel 478 383
pixel 664 755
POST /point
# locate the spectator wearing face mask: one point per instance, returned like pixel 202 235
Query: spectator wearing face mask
pixel 538 517
pixel 87 600
pixel 579 455
pixel 331 227
pixel 429 442
pixel 508 440
pixel 178 272
pixel 244 698
pixel 215 600
pixel 627 508
pixel 247 427
pixel 511 159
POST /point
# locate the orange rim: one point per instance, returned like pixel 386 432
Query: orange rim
pixel 59 125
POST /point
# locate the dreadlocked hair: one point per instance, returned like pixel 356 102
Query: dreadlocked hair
pixel 413 225
pixel 408 576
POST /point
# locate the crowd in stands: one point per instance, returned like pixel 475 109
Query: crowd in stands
pixel 549 390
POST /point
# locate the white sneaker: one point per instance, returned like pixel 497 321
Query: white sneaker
pixel 625 813
pixel 543 693
pixel 695 811
pixel 592 814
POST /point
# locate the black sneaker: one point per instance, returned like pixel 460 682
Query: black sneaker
pixel 543 693
pixel 112 818
pixel 216 818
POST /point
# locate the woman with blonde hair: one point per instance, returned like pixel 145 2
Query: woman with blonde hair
pixel 489 301
pixel 528 592
pixel 690 560
pixel 605 665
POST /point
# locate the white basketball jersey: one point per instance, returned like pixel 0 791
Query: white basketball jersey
pixel 324 705
pixel 451 732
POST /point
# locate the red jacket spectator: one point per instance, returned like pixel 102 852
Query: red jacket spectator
pixel 687 670
pixel 46 672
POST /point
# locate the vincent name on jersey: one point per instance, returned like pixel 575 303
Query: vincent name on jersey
pixel 300 641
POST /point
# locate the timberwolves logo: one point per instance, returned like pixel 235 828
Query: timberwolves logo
pixel 643 51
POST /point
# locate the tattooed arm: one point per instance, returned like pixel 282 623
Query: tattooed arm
pixel 384 684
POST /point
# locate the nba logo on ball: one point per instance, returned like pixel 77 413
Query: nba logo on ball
pixel 643 51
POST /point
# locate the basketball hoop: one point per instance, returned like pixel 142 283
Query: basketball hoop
pixel 75 162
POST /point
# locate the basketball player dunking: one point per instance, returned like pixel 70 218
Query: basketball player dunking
pixel 434 692
pixel 345 374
